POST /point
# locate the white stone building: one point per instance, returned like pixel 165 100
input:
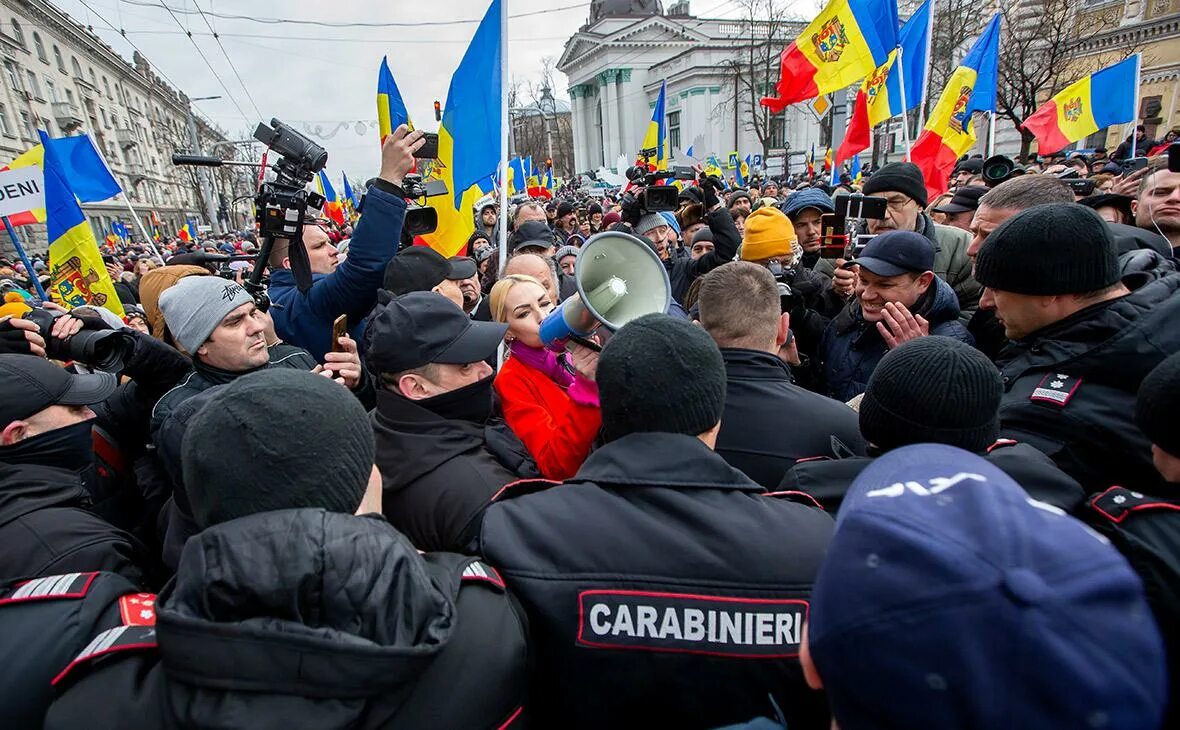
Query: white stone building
pixel 617 60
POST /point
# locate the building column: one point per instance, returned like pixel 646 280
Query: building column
pixel 606 83
pixel 629 139
pixel 576 112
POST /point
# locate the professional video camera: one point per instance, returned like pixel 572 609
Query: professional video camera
pixel 420 219
pixel 281 203
pixel 1000 168
pixel 644 195
pixel 845 232
pixel 106 350
pixel 1080 186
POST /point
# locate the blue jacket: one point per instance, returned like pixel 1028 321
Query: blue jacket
pixel 851 347
pixel 305 319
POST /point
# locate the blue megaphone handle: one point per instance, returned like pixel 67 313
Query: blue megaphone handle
pixel 555 331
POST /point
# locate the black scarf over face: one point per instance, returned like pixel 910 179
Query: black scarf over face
pixel 70 448
pixel 472 403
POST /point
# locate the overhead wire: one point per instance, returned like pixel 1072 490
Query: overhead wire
pixel 228 60
pixel 210 66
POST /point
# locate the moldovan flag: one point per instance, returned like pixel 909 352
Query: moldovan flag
pixel 391 110
pixel 880 95
pixel 949 132
pixel 81 164
pixel 469 137
pixel 78 275
pixel 845 42
pixel 1073 113
pixel 657 135
pixel 517 180
pixel 332 208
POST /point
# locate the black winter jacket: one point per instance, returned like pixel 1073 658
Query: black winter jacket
pixel 308 619
pixel 663 587
pixel 829 480
pixel 46 528
pixel 852 347
pixel 683 271
pixel 769 422
pixel 438 474
pixel 1070 387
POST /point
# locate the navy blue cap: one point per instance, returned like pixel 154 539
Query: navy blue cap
pixel 950 598
pixel 897 252
pixel 799 200
pixel 421 328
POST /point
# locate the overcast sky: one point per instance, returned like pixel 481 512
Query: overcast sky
pixel 315 75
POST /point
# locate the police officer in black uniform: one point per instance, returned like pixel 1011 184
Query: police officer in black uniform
pixel 297 605
pixel 935 390
pixel 1144 523
pixel 664 588
pixel 1080 341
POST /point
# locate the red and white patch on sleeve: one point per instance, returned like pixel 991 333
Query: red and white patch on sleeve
pixel 138 609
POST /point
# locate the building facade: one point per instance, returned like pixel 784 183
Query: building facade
pixel 616 62
pixel 60 77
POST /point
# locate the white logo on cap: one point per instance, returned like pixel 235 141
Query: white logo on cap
pixel 937 485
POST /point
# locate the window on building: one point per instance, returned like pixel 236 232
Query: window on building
pixel 26 126
pixel 77 67
pixel 93 79
pixel 51 90
pixel 103 114
pixel 61 64
pixel 70 95
pixel 17 33
pixel 13 75
pixel 34 87
pixel 777 136
pixel 39 47
pixel 107 85
pixel 47 125
pixel 674 130
pixel 4 125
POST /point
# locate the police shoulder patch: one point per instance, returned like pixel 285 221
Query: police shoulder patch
pixel 480 572
pixel 138 609
pixel 1056 389
pixel 120 638
pixel 1118 503
pixel 69 585
pixel 690 623
pixel 522 487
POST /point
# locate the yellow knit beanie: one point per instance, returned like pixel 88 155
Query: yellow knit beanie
pixel 769 233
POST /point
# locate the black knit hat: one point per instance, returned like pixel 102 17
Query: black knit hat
pixel 902 177
pixel 1158 403
pixel 1056 248
pixel 933 390
pixel 660 374
pixel 277 439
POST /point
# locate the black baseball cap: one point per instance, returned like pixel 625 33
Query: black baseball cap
pixel 972 165
pixel 30 384
pixel 965 199
pixel 897 252
pixel 425 327
pixel 532 234
pixel 419 268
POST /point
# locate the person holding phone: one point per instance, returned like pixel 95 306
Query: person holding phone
pixel 304 318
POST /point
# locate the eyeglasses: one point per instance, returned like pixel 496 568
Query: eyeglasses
pixel 898 203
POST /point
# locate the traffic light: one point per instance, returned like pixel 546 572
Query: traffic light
pixel 437 112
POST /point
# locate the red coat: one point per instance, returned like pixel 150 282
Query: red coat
pixel 556 428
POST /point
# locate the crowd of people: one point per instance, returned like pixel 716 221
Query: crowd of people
pixel 923 479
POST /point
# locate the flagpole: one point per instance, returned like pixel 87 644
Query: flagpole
pixel 926 73
pixel 142 229
pixel 1135 109
pixel 991 133
pixel 905 122
pixel 503 222
pixel 20 251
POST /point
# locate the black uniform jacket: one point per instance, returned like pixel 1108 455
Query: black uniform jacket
pixel 769 422
pixel 309 619
pixel 1070 387
pixel 663 587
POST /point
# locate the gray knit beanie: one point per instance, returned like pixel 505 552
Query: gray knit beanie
pixel 649 222
pixel 196 305
pixel 277 439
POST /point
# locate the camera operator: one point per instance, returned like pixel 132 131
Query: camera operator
pixel 305 318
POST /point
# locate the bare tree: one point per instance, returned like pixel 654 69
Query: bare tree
pixel 754 68
pixel 538 125
pixel 1039 54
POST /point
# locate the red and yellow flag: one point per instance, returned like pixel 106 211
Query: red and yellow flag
pixel 1073 114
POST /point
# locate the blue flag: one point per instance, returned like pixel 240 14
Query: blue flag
pixel 474 103
pixel 914 41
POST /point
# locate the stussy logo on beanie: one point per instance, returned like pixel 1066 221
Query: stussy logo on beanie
pixel 231 291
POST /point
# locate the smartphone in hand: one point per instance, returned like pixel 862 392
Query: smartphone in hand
pixel 339 330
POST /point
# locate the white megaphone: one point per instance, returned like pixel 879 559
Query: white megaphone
pixel 619 279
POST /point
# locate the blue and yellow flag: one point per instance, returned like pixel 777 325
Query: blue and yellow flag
pixel 391 110
pixel 469 137
pixel 549 179
pixel 350 200
pixel 332 208
pixel 1073 114
pixel 656 137
pixel 78 275
pixel 517 179
pixel 854 170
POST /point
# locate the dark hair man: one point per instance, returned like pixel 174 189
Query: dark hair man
pixel 305 318
pixel 486 223
pixel 964 171
pixel 441 453
pixel 1157 208
pixel 935 390
pixel 941 572
pixel 46 475
pixel 898 298
pixel 643 573
pixel 805 209
pixel 419 268
pixel 768 422
pixel 1144 525
pixel 960 209
pixel 739 200
pixel 1142 144
pixel 1080 341
pixel 904 187
pixel 288 608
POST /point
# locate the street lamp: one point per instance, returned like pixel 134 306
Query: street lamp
pixel 203 176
